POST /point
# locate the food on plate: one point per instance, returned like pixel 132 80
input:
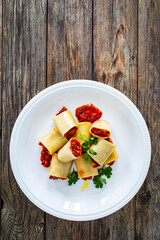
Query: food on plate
pixel 63 109
pixel 83 130
pixel 84 168
pixel 53 141
pixel 86 144
pixel 85 185
pixel 114 156
pixel 100 129
pixel 99 180
pixel 70 151
pixel 101 151
pixel 45 156
pixel 72 178
pixel 59 169
pixel 66 124
pixel 88 113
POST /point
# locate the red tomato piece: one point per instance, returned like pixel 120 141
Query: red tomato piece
pixel 100 132
pixel 76 147
pixel 71 132
pixel 111 163
pixel 88 113
pixel 45 156
pixel 87 178
pixel 62 110
pixel 109 140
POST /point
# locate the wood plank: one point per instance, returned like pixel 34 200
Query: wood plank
pixel 115 45
pixel 69 57
pixel 115 63
pixel 1 203
pixel 69 54
pixel 147 200
pixel 24 75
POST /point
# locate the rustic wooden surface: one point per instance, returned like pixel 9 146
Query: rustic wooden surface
pixel 44 42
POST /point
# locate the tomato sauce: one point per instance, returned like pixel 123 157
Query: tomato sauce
pixel 76 147
pixel 45 156
pixel 109 140
pixel 88 113
pixel 100 132
pixel 55 178
pixel 111 163
pixel 87 178
pixel 71 132
pixel 62 110
pixel 95 164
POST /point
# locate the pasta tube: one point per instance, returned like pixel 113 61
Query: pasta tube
pixel 65 124
pixel 70 151
pixel 59 169
pixel 101 151
pixel 84 168
pixel 112 157
pixel 100 129
pixel 53 141
pixel 83 129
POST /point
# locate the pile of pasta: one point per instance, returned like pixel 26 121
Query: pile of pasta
pixel 87 143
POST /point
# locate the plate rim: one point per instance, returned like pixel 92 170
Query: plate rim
pixel 128 197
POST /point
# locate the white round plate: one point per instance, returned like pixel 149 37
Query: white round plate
pixel 129 133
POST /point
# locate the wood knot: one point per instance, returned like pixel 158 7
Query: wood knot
pixel 133 57
pixel 104 76
pixel 145 197
pixel 2 203
pixel 118 75
pixel 120 30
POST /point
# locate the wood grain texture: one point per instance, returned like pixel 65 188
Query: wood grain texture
pixel 24 75
pixel 69 57
pixel 115 63
pixel 69 40
pixel 1 203
pixel 115 45
pixel 147 199
pixel 49 41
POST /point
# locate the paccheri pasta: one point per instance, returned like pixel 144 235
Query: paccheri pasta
pixel 87 144
pixel 103 150
pixel 100 129
pixel 84 168
pixel 83 130
pixel 53 141
pixel 70 151
pixel 65 123
pixel 59 169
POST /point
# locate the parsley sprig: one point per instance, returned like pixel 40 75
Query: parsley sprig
pixel 88 158
pixel 91 151
pixel 72 178
pixel 93 140
pixel 86 146
pixel 98 180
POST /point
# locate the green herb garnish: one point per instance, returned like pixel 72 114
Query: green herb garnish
pixel 87 158
pixel 72 178
pixel 82 138
pixel 98 180
pixel 91 151
pixel 86 146
pixel 93 140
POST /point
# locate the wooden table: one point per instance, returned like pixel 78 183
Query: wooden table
pixel 48 41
